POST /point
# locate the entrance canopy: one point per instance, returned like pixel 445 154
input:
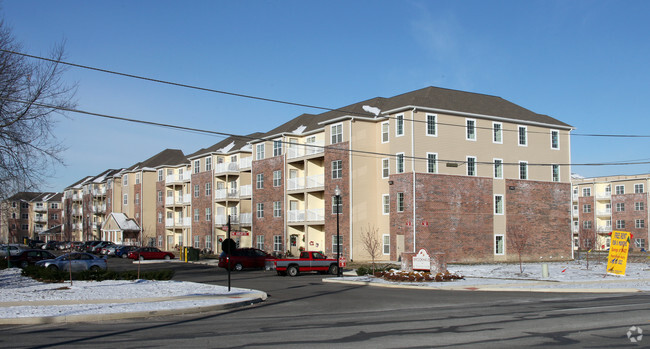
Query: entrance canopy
pixel 120 229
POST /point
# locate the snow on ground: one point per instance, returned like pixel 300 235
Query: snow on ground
pixel 24 297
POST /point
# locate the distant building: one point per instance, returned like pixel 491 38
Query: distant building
pixel 29 215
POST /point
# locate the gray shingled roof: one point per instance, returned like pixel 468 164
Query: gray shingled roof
pixel 167 157
pixel 238 143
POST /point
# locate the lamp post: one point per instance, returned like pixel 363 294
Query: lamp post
pixel 337 195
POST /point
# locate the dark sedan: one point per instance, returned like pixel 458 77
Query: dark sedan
pixel 150 253
pixel 30 257
pixel 244 258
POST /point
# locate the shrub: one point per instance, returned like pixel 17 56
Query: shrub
pixel 416 276
pixel 49 275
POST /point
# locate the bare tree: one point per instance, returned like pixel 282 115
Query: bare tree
pixel 519 242
pixel 31 93
pixel 371 243
pixel 588 244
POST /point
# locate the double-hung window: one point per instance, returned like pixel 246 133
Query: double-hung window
pixel 471 166
pixel 497 132
pixel 399 125
pixel 399 163
pixel 259 151
pixel 523 136
pixel 386 244
pixel 277 148
pixel 400 202
pixel 385 168
pixel 638 188
pixel 337 169
pixel 498 204
pixel 260 210
pixel 555 173
pixel 498 168
pixel 259 183
pixel 337 204
pixel 555 139
pixel 385 128
pixel 336 133
pixel 277 243
pixel 620 189
pixel 523 170
pixel 197 166
pixel 385 199
pixel 277 178
pixel 277 209
pixel 432 129
pixel 432 163
pixel 470 128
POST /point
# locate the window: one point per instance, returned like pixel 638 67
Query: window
pixel 277 209
pixel 471 129
pixel 208 213
pixel 432 163
pixel 160 195
pixel 523 136
pixel 620 207
pixel 400 202
pixel 498 244
pixel 208 163
pixel 620 224
pixel 160 217
pixel 385 128
pixel 399 163
pixel 471 166
pixel 197 166
pixel 54 216
pixel 125 180
pixel 523 170
pixel 260 210
pixel 335 244
pixel 620 189
pixel 498 204
pixel 277 148
pixel 498 168
pixel 497 132
pixel 337 169
pixel 639 243
pixel 337 205
pixel 259 183
pixel 137 178
pixel 196 190
pixel 639 223
pixel 197 241
pixel 233 158
pixel 385 168
pixel 386 244
pixel 137 198
pixel 277 243
pixel 639 206
pixel 260 242
pixel 638 188
pixel 196 215
pixel 586 224
pixel 431 125
pixel 555 139
pixel 126 199
pixel 208 189
pixel 160 175
pixel 208 242
pixel 54 205
pixel 259 151
pixel 24 216
pixel 337 133
pixel 555 173
pixel 399 126
pixel 385 199
pixel 277 178
pixel 586 208
pixel 586 191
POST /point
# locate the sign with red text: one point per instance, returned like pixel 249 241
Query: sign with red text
pixel 422 261
pixel 618 249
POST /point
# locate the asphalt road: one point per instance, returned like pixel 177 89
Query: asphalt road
pixel 303 312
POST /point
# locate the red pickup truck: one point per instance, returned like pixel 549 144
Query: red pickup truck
pixel 308 261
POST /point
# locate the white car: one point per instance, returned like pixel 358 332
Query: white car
pixel 14 249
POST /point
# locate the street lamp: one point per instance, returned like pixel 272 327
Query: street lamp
pixel 337 195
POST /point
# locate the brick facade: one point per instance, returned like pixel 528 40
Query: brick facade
pixel 630 215
pixel 332 154
pixel 268 226
pixel 587 236
pixel 202 227
pixel 160 212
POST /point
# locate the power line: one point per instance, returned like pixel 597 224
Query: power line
pixel 330 147
pixel 205 89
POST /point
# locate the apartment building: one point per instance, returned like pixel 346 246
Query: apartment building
pixel 173 203
pixel 603 204
pixel 31 215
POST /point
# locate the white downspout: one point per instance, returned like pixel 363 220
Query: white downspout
pixel 413 171
pixel 350 188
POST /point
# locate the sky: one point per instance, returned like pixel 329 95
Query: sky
pixel 582 62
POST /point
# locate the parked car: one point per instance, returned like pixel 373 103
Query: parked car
pixel 143 253
pixel 14 249
pixel 79 261
pixel 76 245
pixel 109 250
pixel 51 245
pixel 35 243
pixel 245 258
pixel 97 249
pixel 63 245
pixel 123 251
pixel 30 257
pixel 89 246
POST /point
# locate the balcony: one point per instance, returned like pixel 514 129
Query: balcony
pixel 315 215
pixel 300 150
pixel 223 219
pixel 187 199
pixel 246 219
pixel 576 213
pixel 294 216
pixel 40 208
pixel 245 163
pixel 77 212
pixel 317 181
pixel 296 183
pixel 604 213
pixel 178 222
pixel 311 215
pixel 76 197
pixel 99 208
pixel 604 196
pixel 178 178
pixel 226 167
pixel 222 194
pixel 40 218
pixel 99 192
pixel 246 190
pixel 604 229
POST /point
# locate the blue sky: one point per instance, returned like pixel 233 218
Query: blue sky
pixel 583 62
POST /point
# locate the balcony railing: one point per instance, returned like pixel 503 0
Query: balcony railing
pixel 39 218
pixel 311 215
pixel 187 199
pixel 315 181
pixel 245 162
pixel 221 194
pixel 246 190
pixel 300 150
pixel 172 179
pixel 604 212
pixel 223 219
pixel 226 167
pixel 296 183
pixel 99 192
pixel 296 215
pixel 246 219
pixel 40 208
pixel 317 214
pixel 575 197
pixel 604 229
pixel 178 222
pixel 604 196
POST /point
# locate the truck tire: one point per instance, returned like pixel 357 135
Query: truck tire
pixel 334 270
pixel 239 267
pixel 292 270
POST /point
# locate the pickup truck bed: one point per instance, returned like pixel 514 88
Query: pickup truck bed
pixel 308 261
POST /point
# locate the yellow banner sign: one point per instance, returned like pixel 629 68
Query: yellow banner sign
pixel 618 249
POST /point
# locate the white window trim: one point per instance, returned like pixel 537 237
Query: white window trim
pixel 383 201
pixel 642 188
pixel 494 165
pixel 527 170
pixel 435 163
pixel 397 156
pixel 494 247
pixel 381 132
pixel 397 120
pixel 525 136
pixel 383 244
pixel 501 129
pixel 435 125
pixel 259 150
pixel 382 167
pixel 475 166
pixel 616 189
pixel 332 128
pixel 503 205
pixel 466 129
pixel 559 176
pixel 558 139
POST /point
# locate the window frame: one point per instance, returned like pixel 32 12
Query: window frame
pixel 336 133
pixel 385 204
pixel 470 131
pixel 432 162
pixel 260 151
pixel 431 125
pixel 277 209
pixel 277 178
pixel 277 147
pixel 385 244
pixel 636 187
pixel 522 137
pixel 555 137
pixel 555 175
pixel 471 168
pixel 385 134
pixel 259 210
pixel 497 166
pixel 385 168
pixel 523 165
pixel 400 204
pixel 337 169
pixel 499 204
pixel 399 162
pixel 621 191
pixel 497 131
pixel 259 181
pixel 499 242
pixel 399 125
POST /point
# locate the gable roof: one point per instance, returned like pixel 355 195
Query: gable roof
pixel 122 221
pixel 229 145
pixel 167 157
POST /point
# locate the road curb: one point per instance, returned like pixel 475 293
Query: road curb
pixel 253 298
pixel 487 288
